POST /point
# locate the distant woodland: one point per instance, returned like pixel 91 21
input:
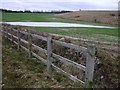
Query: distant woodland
pixel 36 11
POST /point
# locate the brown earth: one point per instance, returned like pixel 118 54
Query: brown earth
pixel 106 17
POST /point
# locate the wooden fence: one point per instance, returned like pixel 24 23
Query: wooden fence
pixel 89 53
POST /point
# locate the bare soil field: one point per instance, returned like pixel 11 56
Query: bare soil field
pixel 106 17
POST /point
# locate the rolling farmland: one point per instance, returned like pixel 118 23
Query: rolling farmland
pixel 85 33
pixel 108 17
pixel 106 63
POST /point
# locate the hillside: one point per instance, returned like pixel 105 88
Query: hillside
pixel 19 71
pixel 107 17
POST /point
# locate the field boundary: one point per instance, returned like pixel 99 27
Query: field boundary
pixel 89 53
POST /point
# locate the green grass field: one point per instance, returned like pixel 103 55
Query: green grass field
pixel 16 17
pixel 97 34
pixel 27 17
pixel 36 17
pixel 103 35
pixel 18 72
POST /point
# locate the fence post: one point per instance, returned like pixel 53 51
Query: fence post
pixel 3 32
pixel 90 61
pixel 11 35
pixel 7 33
pixel 29 43
pixel 18 35
pixel 49 53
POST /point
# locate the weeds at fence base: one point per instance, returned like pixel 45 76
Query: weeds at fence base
pixel 89 85
pixel 19 71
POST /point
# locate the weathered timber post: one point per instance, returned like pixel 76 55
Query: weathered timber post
pixel 18 35
pixel 90 61
pixel 7 33
pixel 49 53
pixel 3 32
pixel 6 36
pixel 11 35
pixel 29 44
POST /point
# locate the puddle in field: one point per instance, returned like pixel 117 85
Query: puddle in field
pixel 53 24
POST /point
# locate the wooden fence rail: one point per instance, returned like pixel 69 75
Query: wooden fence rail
pixel 89 53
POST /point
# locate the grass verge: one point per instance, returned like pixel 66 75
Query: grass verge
pixel 19 71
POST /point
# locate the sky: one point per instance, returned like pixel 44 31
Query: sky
pixel 48 5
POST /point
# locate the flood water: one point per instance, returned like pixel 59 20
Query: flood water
pixel 54 24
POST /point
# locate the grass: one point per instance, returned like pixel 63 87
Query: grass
pixel 97 34
pixel 36 17
pixel 19 71
pixel 15 17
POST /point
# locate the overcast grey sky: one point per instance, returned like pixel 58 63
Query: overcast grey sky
pixel 60 4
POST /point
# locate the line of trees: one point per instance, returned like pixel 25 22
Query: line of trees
pixel 36 11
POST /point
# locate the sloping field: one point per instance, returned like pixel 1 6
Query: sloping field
pixel 107 17
pixel 94 34
pixel 24 72
pixel 19 71
pixel 43 17
pixel 32 17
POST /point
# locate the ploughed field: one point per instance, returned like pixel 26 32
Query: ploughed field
pixel 108 17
